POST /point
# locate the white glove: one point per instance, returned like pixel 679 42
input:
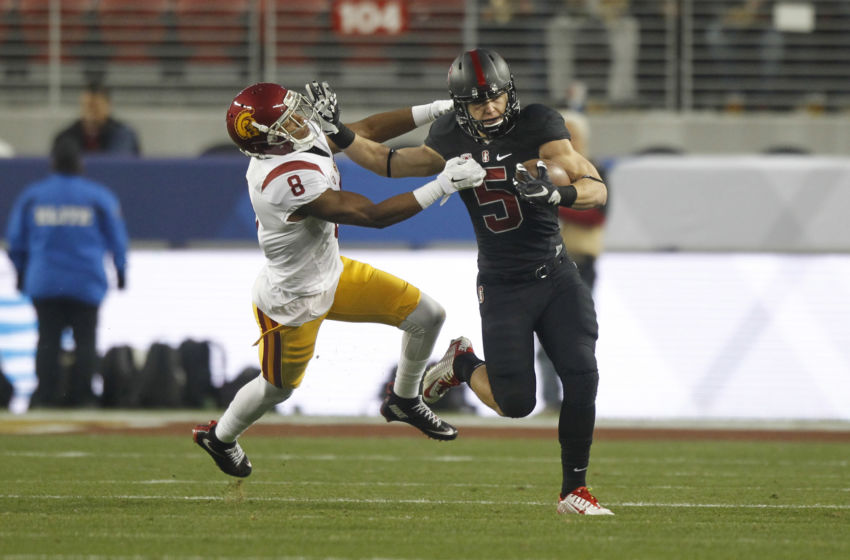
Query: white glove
pixel 423 114
pixel 323 98
pixel 461 173
pixel 458 174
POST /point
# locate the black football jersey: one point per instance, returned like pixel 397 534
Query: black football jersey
pixel 513 236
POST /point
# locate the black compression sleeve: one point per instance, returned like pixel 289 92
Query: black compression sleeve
pixel 344 138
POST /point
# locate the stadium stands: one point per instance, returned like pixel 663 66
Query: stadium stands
pixel 634 58
pixel 647 54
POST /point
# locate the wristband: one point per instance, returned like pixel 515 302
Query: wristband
pixel 421 114
pixel 427 194
pixel 344 138
pixel 568 195
pixel 424 114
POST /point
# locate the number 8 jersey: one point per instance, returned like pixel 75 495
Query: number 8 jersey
pixel 303 265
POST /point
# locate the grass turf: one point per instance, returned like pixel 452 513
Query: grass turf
pixel 411 498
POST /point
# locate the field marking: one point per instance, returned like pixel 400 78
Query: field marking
pixel 333 457
pixel 417 501
pixel 383 484
pixel 167 557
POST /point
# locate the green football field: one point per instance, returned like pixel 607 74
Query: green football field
pixel 141 496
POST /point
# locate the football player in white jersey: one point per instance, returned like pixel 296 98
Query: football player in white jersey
pixel 294 188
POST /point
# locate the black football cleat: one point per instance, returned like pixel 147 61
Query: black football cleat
pixel 417 414
pixel 229 457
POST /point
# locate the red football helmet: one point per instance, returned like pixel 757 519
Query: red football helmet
pixel 267 119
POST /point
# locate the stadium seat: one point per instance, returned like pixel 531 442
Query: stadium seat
pixel 132 29
pixel 24 28
pixel 214 31
pixel 303 32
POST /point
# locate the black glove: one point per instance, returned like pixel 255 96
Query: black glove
pixel 323 99
pixel 122 280
pixel 541 191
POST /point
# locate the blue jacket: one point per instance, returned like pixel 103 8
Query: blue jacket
pixel 59 232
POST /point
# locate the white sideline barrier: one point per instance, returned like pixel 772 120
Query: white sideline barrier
pixel 744 203
pixel 682 336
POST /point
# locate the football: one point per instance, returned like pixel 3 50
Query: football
pixel 557 174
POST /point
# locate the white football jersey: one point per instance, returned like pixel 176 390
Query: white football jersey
pixel 302 269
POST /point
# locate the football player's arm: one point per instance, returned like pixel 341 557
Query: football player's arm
pixel 384 126
pixel 351 208
pixel 346 207
pixel 591 192
pixel 379 127
pixel 391 124
pixel 419 161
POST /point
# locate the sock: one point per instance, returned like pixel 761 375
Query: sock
pixel 253 400
pixel 216 440
pixel 421 329
pixel 465 364
pixel 575 427
pixel 574 476
pixel 408 375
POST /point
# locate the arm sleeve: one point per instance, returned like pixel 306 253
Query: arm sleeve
pixel 114 230
pixel 17 234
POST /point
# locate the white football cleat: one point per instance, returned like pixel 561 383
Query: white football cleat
pixel 441 376
pixel 582 502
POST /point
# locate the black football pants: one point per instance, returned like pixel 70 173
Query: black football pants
pixel 560 310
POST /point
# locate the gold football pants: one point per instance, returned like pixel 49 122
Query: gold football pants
pixel 364 295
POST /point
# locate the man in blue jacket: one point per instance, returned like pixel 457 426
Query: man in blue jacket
pixel 59 232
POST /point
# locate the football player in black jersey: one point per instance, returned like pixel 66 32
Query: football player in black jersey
pixel 527 283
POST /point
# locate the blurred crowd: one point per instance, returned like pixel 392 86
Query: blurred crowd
pixel 669 54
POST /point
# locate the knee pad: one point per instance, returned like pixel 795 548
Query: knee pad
pixel 272 394
pixel 517 405
pixel 428 316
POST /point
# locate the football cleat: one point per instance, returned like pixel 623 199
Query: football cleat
pixel 229 457
pixel 582 502
pixel 417 414
pixel 441 376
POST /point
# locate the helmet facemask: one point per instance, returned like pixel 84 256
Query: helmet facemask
pixel 478 129
pixel 293 126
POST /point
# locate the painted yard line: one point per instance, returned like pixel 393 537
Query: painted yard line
pixel 169 557
pixel 332 457
pixel 284 483
pixel 282 456
pixel 290 499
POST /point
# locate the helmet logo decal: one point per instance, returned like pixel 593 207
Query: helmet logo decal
pixel 243 124
pixel 479 71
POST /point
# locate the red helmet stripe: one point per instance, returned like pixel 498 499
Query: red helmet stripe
pixel 288 167
pixel 479 71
